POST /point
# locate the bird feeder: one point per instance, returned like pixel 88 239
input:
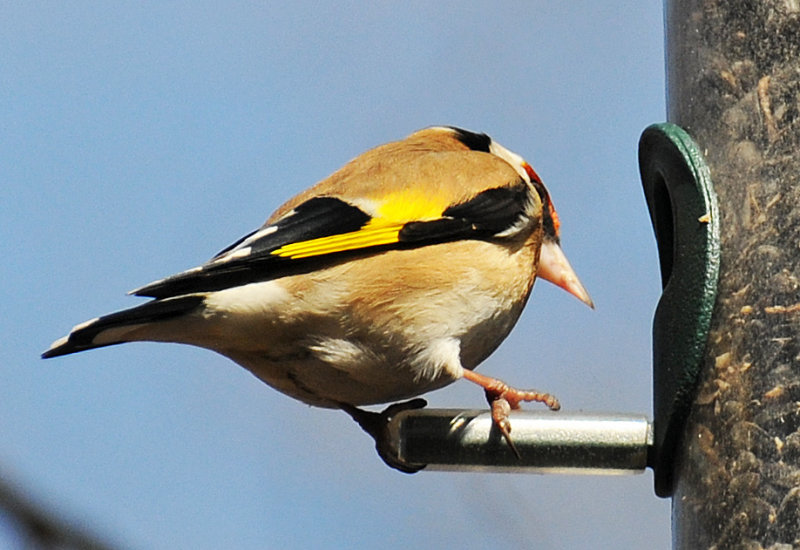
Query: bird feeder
pixel 683 210
pixel 734 85
pixel 724 441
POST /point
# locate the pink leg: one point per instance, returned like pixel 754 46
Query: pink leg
pixel 503 399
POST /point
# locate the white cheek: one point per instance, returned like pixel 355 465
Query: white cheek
pixel 516 161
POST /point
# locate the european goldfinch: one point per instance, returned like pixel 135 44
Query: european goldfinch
pixel 395 276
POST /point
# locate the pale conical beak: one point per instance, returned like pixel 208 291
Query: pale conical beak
pixel 554 267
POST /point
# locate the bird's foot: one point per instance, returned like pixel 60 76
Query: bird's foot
pixel 503 399
pixel 377 426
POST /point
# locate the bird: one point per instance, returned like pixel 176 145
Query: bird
pixel 396 275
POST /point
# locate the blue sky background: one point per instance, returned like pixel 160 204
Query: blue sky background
pixel 138 139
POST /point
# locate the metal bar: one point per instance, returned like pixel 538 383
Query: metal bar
pixel 548 442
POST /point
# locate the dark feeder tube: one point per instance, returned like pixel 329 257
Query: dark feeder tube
pixel 733 73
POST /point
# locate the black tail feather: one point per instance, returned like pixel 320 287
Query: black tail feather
pixel 82 337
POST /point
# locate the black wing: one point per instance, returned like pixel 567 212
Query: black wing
pixel 345 231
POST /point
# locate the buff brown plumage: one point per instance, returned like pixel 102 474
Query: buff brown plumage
pixel 398 274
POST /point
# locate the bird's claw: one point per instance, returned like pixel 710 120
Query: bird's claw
pixel 501 408
pixel 503 399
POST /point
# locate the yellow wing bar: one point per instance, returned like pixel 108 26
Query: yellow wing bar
pixel 369 235
pixel 394 211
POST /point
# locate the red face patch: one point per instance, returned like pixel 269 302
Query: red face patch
pixel 554 215
pixel 531 173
